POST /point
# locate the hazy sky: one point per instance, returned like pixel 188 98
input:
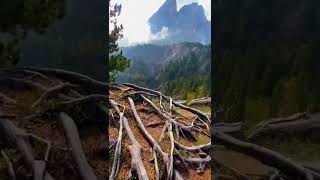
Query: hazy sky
pixel 136 30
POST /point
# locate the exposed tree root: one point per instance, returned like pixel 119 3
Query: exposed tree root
pixel 77 153
pixel 21 139
pixel 51 91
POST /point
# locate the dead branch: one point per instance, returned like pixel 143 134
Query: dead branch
pixel 78 155
pixel 156 167
pixel 184 128
pixel 117 153
pixel 135 151
pixel 154 124
pixel 170 172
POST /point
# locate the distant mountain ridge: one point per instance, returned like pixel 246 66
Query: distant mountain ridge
pixel 189 24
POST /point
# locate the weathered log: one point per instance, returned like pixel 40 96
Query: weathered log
pixel 229 128
pixel 264 155
pixel 74 141
pixel 200 101
pixel 136 162
pixel 290 126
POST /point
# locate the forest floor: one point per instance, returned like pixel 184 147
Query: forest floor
pixel 35 135
pixel 190 164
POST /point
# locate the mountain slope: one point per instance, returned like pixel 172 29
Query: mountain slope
pixel 178 65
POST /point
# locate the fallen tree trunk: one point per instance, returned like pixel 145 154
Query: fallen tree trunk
pixel 78 155
pixel 264 155
pixel 293 127
pixel 228 128
pixel 200 101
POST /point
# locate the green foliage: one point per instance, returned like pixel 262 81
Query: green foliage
pixel 189 77
pixel 117 62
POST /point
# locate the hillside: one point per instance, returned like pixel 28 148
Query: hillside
pixel 154 65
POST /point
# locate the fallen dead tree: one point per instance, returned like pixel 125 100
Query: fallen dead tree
pixel 294 125
pixel 266 156
pixel 201 101
pixel 228 128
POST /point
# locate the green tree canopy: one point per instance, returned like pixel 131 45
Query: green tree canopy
pixel 117 62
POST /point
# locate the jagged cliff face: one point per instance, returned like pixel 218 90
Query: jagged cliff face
pixel 188 24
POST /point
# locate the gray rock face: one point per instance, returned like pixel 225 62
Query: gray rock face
pixel 189 24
